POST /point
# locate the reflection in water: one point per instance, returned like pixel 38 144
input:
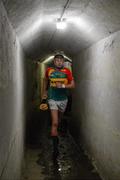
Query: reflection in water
pixel 69 162
pixel 56 169
pixel 61 160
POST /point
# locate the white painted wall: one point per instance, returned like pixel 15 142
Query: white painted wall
pixel 12 110
pixel 96 104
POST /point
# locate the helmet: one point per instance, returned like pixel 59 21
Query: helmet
pixel 59 56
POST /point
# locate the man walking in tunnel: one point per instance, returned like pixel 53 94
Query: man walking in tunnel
pixel 57 80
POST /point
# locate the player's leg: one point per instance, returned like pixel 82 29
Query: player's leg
pixel 54 123
pixel 54 126
pixel 54 132
pixel 61 109
pixel 54 117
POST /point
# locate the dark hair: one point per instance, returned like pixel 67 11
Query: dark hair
pixel 59 56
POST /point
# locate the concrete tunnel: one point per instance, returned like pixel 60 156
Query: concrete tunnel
pixel 28 36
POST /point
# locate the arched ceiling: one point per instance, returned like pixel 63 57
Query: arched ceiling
pixel 87 22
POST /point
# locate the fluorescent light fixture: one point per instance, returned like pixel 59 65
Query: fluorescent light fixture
pixel 61 24
pixel 48 59
pixel 68 58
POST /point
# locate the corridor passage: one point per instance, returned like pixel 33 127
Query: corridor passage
pixel 87 34
pixel 71 163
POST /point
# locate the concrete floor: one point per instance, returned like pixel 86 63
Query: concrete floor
pixel 71 164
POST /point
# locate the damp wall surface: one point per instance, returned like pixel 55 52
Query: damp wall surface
pixel 12 111
pixel 34 119
pixel 96 104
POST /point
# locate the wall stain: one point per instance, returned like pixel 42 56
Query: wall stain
pixel 108 46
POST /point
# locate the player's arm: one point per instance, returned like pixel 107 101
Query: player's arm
pixel 71 82
pixel 43 103
pixel 45 84
pixel 70 85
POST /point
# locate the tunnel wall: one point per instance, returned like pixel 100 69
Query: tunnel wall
pixel 34 120
pixel 96 104
pixel 32 100
pixel 11 101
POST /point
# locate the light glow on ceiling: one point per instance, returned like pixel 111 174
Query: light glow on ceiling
pixel 85 26
pixel 82 23
pixel 31 30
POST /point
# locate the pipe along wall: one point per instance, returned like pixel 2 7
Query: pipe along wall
pixel 96 103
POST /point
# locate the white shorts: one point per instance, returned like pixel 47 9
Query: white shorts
pixel 58 105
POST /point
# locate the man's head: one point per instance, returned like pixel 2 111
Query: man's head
pixel 59 60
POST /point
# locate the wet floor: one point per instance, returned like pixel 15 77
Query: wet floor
pixel 70 164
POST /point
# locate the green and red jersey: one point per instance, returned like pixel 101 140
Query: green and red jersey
pixel 54 75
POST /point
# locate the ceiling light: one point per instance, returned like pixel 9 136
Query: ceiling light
pixel 48 59
pixel 61 24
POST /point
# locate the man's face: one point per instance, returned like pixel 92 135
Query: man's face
pixel 58 62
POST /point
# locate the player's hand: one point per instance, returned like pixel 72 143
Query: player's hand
pixel 43 105
pixel 58 85
pixel 44 95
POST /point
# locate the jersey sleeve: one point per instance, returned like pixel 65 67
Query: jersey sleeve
pixel 47 72
pixel 69 75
